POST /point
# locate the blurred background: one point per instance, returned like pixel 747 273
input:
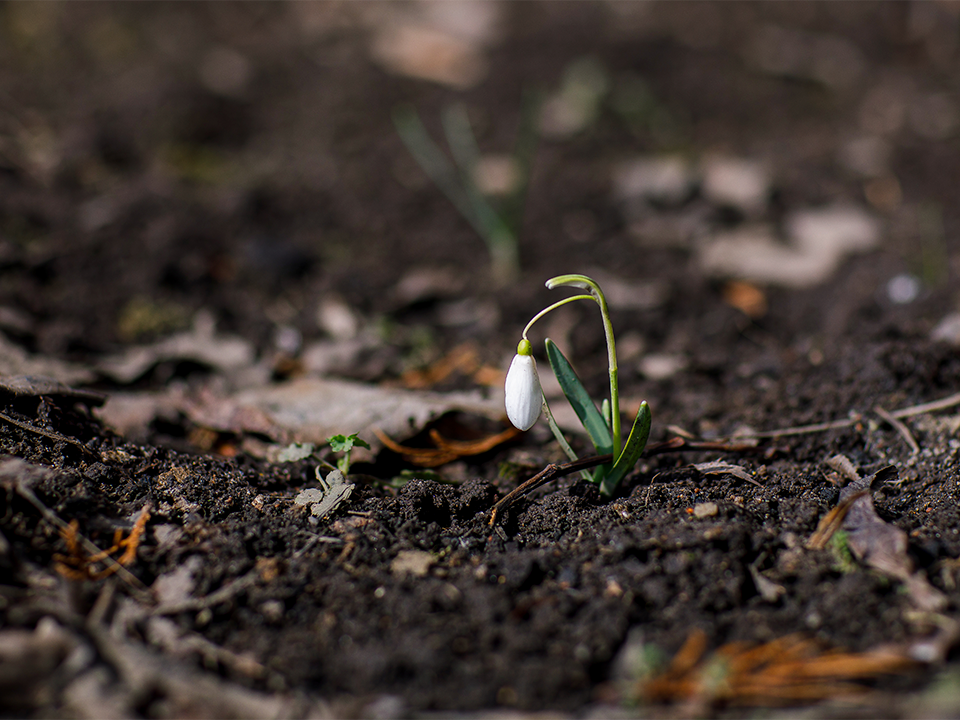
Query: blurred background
pixel 360 188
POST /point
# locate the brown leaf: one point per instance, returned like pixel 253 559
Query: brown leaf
pixel 884 546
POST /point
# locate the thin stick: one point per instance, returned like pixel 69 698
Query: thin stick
pixel 806 429
pixel 550 472
pixel 900 428
pixel 47 433
pixel 553 470
pixel 933 406
pixel 225 593
pixel 947 402
pixel 51 517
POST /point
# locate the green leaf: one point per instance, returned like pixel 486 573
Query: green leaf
pixel 581 402
pixel 346 443
pixel 632 450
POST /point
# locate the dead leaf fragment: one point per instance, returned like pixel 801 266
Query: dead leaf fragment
pixel 745 297
pixel 78 564
pixel 872 540
pixel 200 344
pixel 884 546
pixel 419 51
pixel 818 242
pixel 463 359
pixel 313 409
pixel 723 468
pixel 14 360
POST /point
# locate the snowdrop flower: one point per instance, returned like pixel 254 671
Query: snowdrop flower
pixel 523 398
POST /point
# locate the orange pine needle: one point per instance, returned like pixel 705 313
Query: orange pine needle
pixel 78 566
pixel 445 450
pixel 789 670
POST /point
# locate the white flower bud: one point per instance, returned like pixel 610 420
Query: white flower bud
pixel 522 396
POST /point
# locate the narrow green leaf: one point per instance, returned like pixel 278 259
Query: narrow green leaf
pixel 435 163
pixel 632 450
pixel 577 395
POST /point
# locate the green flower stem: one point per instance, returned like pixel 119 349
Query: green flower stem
pixel 614 375
pixel 553 307
pixel 582 281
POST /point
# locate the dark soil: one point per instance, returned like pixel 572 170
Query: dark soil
pixel 126 182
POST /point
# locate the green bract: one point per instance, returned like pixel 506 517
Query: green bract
pixel 603 427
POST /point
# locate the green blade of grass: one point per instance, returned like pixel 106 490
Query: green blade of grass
pixel 524 151
pixel 577 395
pixel 500 237
pixel 632 450
pixel 457 183
pixel 435 163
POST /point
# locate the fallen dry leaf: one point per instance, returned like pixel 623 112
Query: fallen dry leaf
pixel 313 409
pixel 303 410
pixel 14 360
pixel 200 344
pixel 819 241
pixel 872 540
pixel 884 546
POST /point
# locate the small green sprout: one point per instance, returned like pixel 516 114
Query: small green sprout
pixel 524 399
pixel 338 443
pixel 345 444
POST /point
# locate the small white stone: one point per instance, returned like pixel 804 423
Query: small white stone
pixel 667 180
pixel 738 183
pixel 657 366
pixel 903 289
pixel 337 319
pixel 413 562
pixel 947 330
pixel 705 509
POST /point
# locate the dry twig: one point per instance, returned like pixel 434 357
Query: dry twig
pixel 553 471
pixel 900 428
pixel 890 417
pixel 51 517
pixel 47 433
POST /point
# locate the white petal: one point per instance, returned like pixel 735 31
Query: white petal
pixel 522 392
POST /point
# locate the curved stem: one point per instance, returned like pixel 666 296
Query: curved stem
pixel 553 307
pixel 614 375
pixel 582 281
